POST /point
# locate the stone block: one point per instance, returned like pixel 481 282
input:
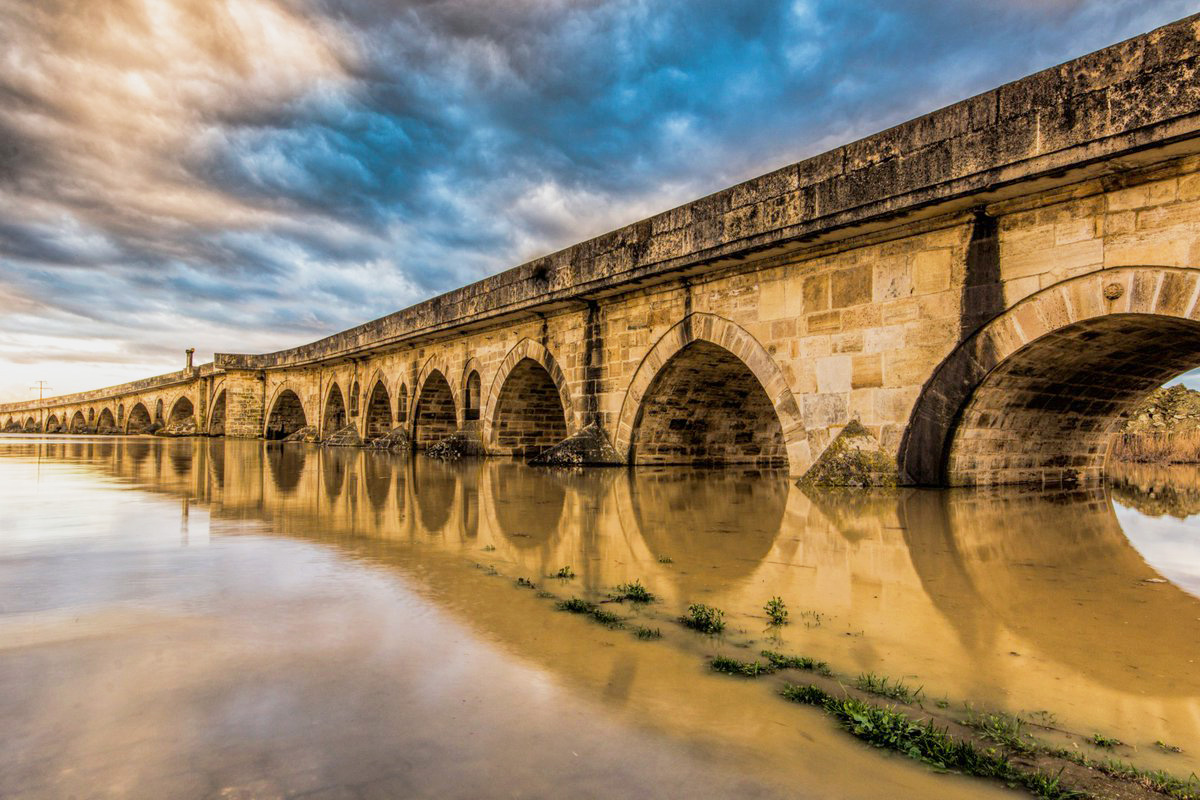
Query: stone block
pixel 816 293
pixel 866 371
pixel 932 270
pixel 834 373
pixel 851 287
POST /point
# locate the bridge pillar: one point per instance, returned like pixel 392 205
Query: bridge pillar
pixel 245 403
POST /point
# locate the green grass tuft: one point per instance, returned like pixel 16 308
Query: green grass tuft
pixel 705 619
pixel 1107 742
pixel 633 592
pixel 1004 729
pixel 890 729
pixel 647 633
pixel 566 573
pixel 776 611
pixel 665 560
pixel 525 583
pixel 884 687
pixel 577 605
pixel 747 669
pixel 781 661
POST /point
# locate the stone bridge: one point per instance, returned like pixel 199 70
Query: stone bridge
pixel 972 297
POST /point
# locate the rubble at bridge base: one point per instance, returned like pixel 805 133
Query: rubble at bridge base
pixel 306 434
pixel 343 437
pixel 588 448
pixel 854 459
pixel 184 428
pixel 463 443
pixel 395 439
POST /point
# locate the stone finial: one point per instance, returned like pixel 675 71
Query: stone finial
pixel 191 351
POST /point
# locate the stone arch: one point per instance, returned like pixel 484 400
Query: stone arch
pixel 52 423
pixel 377 421
pixel 472 390
pixel 355 391
pixel 434 414
pixel 1034 395
pixel 528 406
pixel 703 345
pixel 106 423
pixel 158 411
pixel 78 422
pixel 139 419
pixel 217 412
pixel 286 415
pixel 91 415
pixel 181 410
pixel 31 425
pixel 120 415
pixel 333 413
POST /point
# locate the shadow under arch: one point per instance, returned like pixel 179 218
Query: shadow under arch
pixel 434 416
pixel 528 405
pixel 1033 395
pixel 139 419
pixel 333 413
pixel 286 415
pixel 728 372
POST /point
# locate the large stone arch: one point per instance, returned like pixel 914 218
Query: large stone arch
pixel 1035 394
pixel 181 410
pixel 435 408
pixel 286 413
pixel 524 352
pixel 379 410
pixel 31 425
pixel 106 423
pixel 720 334
pixel 139 419
pixel 78 422
pixel 52 424
pixel 334 409
pixel 218 410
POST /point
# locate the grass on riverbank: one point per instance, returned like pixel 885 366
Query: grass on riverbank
pixel 1181 447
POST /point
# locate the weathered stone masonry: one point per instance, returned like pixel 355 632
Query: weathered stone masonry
pixel 985 289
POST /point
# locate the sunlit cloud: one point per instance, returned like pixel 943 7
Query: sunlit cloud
pixel 246 175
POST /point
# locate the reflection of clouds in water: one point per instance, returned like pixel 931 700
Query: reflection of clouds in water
pixel 1170 545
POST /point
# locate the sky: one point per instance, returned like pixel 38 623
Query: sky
pixel 249 175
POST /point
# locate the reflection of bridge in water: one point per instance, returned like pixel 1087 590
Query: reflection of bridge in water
pixel 1015 599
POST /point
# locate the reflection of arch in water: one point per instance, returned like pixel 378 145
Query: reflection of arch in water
pixel 727 519
pixel 526 506
pixel 377 477
pixel 335 465
pixel 286 463
pixel 216 460
pixel 434 484
pixel 138 450
pixel 181 453
pixel 1057 571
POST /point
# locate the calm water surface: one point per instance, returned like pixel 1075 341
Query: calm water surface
pixel 231 619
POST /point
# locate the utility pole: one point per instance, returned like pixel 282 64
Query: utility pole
pixel 41 389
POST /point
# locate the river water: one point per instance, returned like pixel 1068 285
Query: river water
pixel 236 619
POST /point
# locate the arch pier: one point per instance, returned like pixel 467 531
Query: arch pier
pixel 954 301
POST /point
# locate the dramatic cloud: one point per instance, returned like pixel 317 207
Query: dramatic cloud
pixel 245 175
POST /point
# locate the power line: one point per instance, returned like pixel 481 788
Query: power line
pixel 41 389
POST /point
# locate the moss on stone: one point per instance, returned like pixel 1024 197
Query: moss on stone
pixel 853 458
